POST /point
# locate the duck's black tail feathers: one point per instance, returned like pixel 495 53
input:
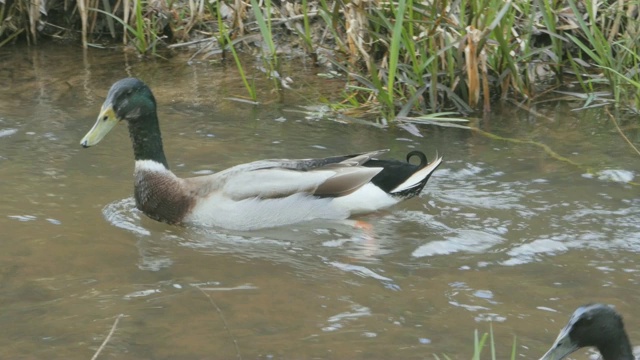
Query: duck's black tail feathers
pixel 403 179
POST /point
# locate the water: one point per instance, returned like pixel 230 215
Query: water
pixel 502 233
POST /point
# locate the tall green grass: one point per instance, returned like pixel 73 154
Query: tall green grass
pixel 480 343
pixel 270 58
pixel 264 24
pixel 401 57
pixel 306 33
pixel 549 11
pixel 484 341
pixel 617 60
pixel 394 51
pixel 144 37
pixel 225 39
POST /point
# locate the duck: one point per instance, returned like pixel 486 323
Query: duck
pixel 597 325
pixel 258 194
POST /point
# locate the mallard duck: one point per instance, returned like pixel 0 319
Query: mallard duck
pixel 597 325
pixel 258 194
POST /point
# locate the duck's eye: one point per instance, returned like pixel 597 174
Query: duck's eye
pixel 561 343
pixel 105 118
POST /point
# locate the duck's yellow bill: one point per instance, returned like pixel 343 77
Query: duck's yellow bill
pixel 106 121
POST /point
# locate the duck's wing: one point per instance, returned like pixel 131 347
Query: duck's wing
pixel 327 177
pixel 328 181
pixel 346 160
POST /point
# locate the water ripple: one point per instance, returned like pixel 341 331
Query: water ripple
pixel 580 225
pixel 471 241
pixel 123 213
pixel 7 132
pixel 359 270
pixel 338 321
pixel 279 245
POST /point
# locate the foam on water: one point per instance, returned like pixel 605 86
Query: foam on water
pixel 124 214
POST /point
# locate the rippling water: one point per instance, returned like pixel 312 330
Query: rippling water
pixel 503 233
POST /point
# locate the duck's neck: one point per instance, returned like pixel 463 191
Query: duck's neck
pixel 618 350
pixel 147 141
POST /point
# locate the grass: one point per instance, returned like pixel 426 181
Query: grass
pixel 270 57
pixel 615 59
pixel 482 342
pixel 142 35
pixel 264 24
pixel 225 39
pixel 305 34
pixel 394 51
pixel 401 57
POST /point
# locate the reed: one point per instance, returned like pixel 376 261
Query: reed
pixel 305 32
pixel 400 57
pixel 13 20
pixel 142 35
pixel 550 20
pixel 333 22
pixel 486 340
pixel 479 344
pixel 394 51
pixel 270 58
pixel 616 61
pixel 225 39
pixel 264 24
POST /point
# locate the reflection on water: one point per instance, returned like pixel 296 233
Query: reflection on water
pixel 501 234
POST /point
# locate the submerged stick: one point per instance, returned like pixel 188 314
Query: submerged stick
pixel 620 130
pixel 113 329
pixel 224 321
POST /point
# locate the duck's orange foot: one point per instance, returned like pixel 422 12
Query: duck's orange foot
pixel 365 226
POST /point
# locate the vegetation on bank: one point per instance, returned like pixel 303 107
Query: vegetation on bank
pixel 401 58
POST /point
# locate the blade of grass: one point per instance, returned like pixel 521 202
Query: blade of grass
pixel 128 27
pixel 251 89
pixel 478 344
pixel 394 51
pixel 492 342
pixel 264 27
pixel 142 41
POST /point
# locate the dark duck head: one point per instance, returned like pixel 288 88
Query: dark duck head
pixel 597 325
pixel 130 100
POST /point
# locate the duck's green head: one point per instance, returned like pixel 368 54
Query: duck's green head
pixel 128 99
pixel 596 325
